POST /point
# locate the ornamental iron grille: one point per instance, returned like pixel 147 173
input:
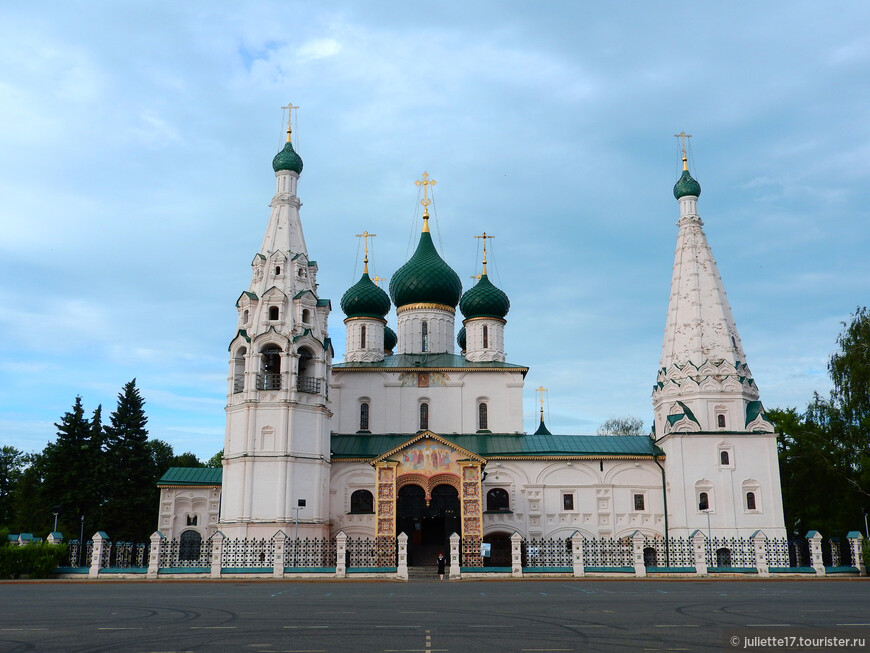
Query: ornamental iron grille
pixel 799 553
pixel 76 554
pixel 307 384
pixel 105 555
pixel 313 552
pixel 174 553
pixel 730 552
pixel 248 553
pixel 837 553
pixel 361 552
pixel 678 553
pixel 124 555
pixel 776 550
pixel 547 552
pixel 269 381
pixel 607 552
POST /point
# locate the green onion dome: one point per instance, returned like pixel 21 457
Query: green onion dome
pixel 365 299
pixel 287 159
pixel 425 278
pixel 460 339
pixel 484 300
pixel 686 186
pixel 390 339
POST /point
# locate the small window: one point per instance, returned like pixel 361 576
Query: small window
pixel 364 416
pixel 482 417
pixel 724 458
pixel 273 313
pixel 245 317
pixel 424 417
pixel 362 503
pixel 568 501
pixel 497 499
pixel 750 501
pixel 191 520
pixel 277 270
pixel 703 501
pixel 306 316
pixel 720 419
pixel 638 502
pixel 425 336
pixel 485 337
pixel 362 336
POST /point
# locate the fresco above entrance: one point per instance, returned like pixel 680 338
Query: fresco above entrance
pixel 428 457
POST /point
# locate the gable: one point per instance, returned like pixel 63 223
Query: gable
pixel 428 454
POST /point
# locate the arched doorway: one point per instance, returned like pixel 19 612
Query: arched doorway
pixel 428 527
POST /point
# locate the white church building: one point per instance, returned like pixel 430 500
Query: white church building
pixel 420 430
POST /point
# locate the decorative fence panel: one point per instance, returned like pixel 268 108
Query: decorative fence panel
pixel 361 552
pixel 547 552
pixel 799 553
pixel 730 552
pixel 776 550
pixel 607 552
pixel 78 557
pixel 314 552
pixel 837 552
pixel 183 554
pixel 239 553
pixel 678 552
pixel 124 555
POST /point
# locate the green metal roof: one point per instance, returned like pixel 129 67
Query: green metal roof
pixel 504 445
pixel 407 362
pixel 365 299
pixel 425 278
pixel 686 186
pixel 287 159
pixel 191 476
pixel 484 300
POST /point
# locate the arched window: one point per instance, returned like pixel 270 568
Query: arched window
pixel 362 503
pixel 650 557
pixel 425 327
pixel 485 337
pixel 720 418
pixel 273 313
pixel 270 379
pixel 498 499
pixel 703 501
pixel 277 270
pixel 724 458
pixel 306 316
pixel 750 501
pixel 482 420
pixel 239 370
pixel 424 417
pixel 191 520
pixel 364 416
pixel 245 316
pixel 305 382
pixel 362 337
pixel 723 557
pixel 189 545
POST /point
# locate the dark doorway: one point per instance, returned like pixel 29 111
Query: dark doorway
pixel 428 527
pixel 499 550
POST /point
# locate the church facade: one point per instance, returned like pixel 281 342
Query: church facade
pixel 420 430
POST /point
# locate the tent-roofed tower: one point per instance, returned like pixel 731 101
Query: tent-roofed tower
pixel 708 416
pixel 276 446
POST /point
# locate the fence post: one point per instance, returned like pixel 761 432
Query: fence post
pixel 402 569
pixel 454 556
pixel 759 545
pixel 855 543
pixel 341 555
pixel 278 559
pixel 100 540
pixel 699 552
pixel 517 555
pixel 217 554
pixel 637 553
pixel 157 543
pixel 815 541
pixel 577 555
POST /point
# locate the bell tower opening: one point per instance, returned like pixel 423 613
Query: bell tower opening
pixel 428 524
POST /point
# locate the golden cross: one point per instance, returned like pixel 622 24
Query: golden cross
pixel 484 236
pixel 378 280
pixel 365 236
pixel 542 390
pixel 475 276
pixel 289 108
pixel 425 183
pixel 683 136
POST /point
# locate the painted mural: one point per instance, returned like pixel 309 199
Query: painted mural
pixel 428 458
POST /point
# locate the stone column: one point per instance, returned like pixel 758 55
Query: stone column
pixel 577 555
pixel 815 540
pixel 341 555
pixel 517 555
pixel 278 558
pixel 158 541
pixel 699 552
pixel 454 556
pixel 385 513
pixel 759 545
pixel 637 541
pixel 217 552
pixel 101 540
pixel 472 515
pixel 856 541
pixel 402 569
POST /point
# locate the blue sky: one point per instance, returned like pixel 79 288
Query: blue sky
pixel 135 177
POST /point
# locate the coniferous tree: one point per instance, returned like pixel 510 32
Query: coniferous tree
pixel 12 463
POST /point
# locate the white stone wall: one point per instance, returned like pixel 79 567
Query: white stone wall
pixel 373 349
pixel 177 503
pixel 410 331
pixel 474 341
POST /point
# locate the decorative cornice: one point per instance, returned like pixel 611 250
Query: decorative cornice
pixel 431 369
pixel 426 306
pixel 484 317
pixel 365 317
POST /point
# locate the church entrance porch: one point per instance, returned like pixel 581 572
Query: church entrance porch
pixel 428 521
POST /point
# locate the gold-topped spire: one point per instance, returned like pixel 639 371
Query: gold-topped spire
pixel 365 236
pixel 541 390
pixel 425 183
pixel 484 236
pixel 290 106
pixel 683 136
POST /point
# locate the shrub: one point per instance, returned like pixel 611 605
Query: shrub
pixel 32 560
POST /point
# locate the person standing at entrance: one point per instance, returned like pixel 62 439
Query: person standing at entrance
pixel 442 562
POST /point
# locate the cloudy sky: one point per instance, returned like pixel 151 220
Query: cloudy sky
pixel 136 141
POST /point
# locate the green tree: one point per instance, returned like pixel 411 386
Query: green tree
pixel 12 463
pixel 628 425
pixel 216 460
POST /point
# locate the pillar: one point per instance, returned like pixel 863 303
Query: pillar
pixel 856 543
pixel 402 569
pixel 341 555
pixel 54 538
pixel 637 541
pixel 517 555
pixel 217 552
pixel 759 545
pixel 385 514
pixel 158 541
pixel 101 540
pixel 472 516
pixel 815 541
pixel 454 556
pixel 577 555
pixel 279 539
pixel 699 552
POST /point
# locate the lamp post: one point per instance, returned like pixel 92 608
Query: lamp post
pixel 866 530
pixel 82 540
pixel 55 522
pixel 299 505
pixel 706 510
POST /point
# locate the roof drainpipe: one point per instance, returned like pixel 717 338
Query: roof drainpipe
pixel 665 498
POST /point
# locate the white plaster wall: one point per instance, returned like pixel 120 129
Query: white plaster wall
pixel 474 349
pixel 410 331
pixel 176 503
pixel 374 347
